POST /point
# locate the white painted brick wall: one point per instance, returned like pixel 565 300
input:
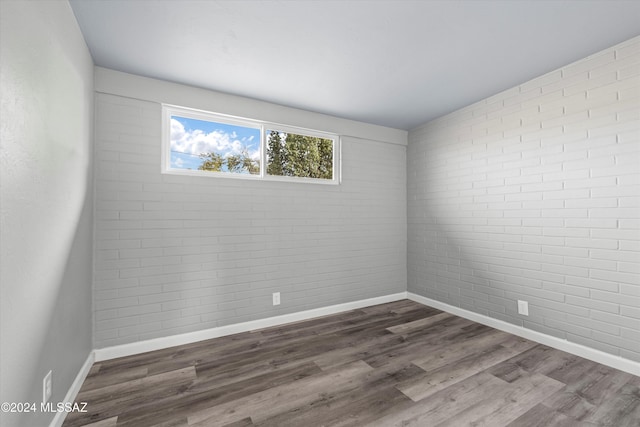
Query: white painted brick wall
pixel 176 254
pixel 534 194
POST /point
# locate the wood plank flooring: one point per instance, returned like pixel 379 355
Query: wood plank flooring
pixel 396 364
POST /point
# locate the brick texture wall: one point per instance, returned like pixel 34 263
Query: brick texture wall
pixel 176 254
pixel 534 194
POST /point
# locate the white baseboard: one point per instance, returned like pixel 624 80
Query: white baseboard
pixel 72 393
pixel 174 340
pixel 616 362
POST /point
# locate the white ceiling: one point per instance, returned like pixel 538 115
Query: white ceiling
pixel 393 63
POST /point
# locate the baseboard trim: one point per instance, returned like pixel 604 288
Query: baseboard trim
pixel 610 360
pixel 73 391
pixel 174 340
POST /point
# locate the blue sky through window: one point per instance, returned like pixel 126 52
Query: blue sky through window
pixel 192 137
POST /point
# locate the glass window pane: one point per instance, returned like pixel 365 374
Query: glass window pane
pixel 213 146
pixel 296 155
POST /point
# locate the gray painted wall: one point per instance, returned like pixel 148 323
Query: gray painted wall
pixel 534 194
pixel 45 202
pixel 177 254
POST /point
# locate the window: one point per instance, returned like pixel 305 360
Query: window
pixel 298 155
pixel 207 144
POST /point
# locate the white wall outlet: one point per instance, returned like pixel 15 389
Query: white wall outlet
pixel 47 387
pixel 523 308
pixel 276 298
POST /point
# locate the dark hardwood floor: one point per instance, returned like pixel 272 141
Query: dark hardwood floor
pixel 396 364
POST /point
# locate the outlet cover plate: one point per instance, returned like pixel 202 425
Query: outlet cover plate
pixel 276 298
pixel 523 307
pixel 47 387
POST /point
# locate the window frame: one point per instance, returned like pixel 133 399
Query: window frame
pixel 191 113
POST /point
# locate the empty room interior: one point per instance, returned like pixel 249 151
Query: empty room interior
pixel 319 213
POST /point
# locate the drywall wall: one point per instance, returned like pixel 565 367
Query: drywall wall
pixel 45 203
pixel 177 254
pixel 534 194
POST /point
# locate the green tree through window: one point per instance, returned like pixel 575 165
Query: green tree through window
pixel 238 163
pixel 296 155
pixel 275 154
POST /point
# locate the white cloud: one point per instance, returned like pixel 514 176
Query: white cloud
pixel 196 141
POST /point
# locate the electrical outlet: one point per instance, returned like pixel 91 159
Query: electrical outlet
pixel 276 298
pixel 47 387
pixel 523 308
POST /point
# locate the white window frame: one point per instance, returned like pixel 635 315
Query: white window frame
pixel 262 126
